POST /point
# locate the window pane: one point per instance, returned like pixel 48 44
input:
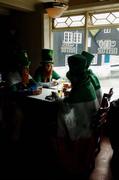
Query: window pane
pixel 104 44
pixel 104 18
pixel 71 21
pixel 67 43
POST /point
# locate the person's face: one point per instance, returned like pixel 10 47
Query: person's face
pixel 48 67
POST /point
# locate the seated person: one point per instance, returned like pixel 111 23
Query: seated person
pixel 94 79
pixel 45 75
pixel 19 79
pixel 76 138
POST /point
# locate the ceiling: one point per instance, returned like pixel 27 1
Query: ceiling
pixel 29 5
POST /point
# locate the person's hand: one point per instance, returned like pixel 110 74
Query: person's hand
pixel 66 86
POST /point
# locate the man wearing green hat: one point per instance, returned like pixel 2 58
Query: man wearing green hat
pixel 45 75
pixel 75 117
pixel 19 78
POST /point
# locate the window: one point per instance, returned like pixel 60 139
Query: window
pixel 71 21
pixel 67 43
pixel 104 18
pixel 102 41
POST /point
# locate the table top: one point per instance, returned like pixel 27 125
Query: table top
pixel 45 92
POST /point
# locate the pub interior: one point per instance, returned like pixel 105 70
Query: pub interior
pixel 28 122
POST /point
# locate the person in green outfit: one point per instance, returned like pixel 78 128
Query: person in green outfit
pixel 94 79
pixel 44 74
pixel 18 78
pixel 76 140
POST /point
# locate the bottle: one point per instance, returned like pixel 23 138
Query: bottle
pixel 60 88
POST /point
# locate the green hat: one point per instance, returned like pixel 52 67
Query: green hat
pixel 22 59
pixel 47 56
pixel 77 65
pixel 88 56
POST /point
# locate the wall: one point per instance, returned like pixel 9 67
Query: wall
pixel 32 37
pixel 28 26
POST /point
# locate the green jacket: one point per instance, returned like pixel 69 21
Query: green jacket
pixel 95 81
pixel 78 110
pixel 39 77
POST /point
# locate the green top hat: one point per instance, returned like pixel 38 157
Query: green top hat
pixel 77 64
pixel 88 56
pixel 22 59
pixel 47 56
